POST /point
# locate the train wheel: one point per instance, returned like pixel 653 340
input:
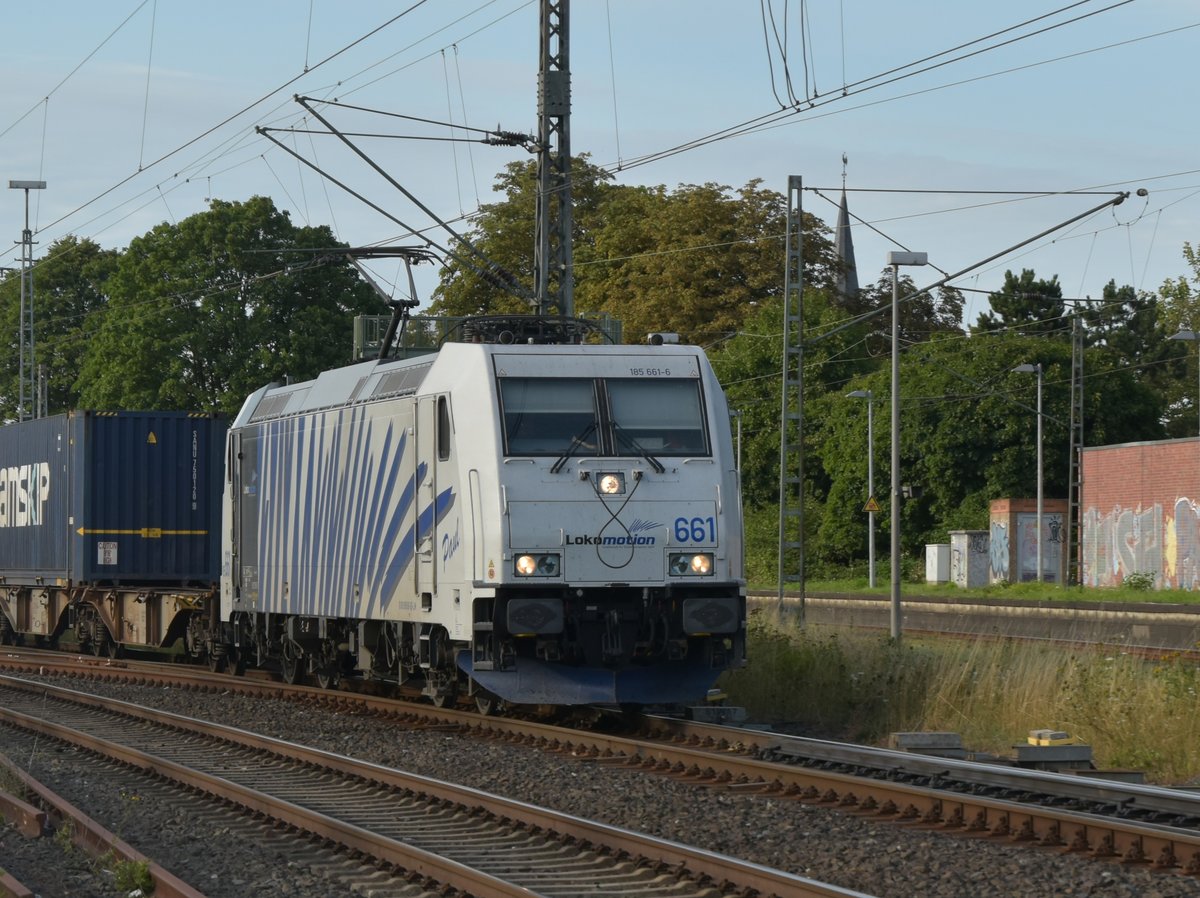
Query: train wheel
pixel 6 631
pixel 218 659
pixel 237 660
pixel 488 704
pixel 102 644
pixel 291 665
pixel 329 677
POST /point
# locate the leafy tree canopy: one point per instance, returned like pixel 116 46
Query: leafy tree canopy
pixel 696 260
pixel 1026 303
pixel 969 432
pixel 202 313
pixel 68 287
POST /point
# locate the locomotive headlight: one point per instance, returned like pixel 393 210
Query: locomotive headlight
pixel 611 484
pixel 683 564
pixel 545 565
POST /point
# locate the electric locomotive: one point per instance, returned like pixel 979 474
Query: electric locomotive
pixel 533 524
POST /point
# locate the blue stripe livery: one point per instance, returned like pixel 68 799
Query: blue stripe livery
pixel 338 523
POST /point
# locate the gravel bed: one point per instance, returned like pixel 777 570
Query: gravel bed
pixel 877 858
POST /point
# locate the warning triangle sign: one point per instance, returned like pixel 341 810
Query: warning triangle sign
pixel 871 506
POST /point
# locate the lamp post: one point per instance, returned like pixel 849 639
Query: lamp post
pixel 1186 333
pixel 1037 369
pixel 896 259
pixel 25 327
pixel 870 397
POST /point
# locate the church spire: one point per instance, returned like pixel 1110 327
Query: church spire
pixel 847 283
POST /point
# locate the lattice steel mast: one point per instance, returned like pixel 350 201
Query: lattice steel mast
pixel 791 420
pixel 554 275
pixel 29 404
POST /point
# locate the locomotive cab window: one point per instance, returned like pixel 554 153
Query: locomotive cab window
pixel 603 416
pixel 546 415
pixel 659 417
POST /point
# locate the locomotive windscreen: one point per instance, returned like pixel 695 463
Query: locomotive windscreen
pixel 603 416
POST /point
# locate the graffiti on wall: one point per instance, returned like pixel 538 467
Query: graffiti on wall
pixel 1143 541
pixel 1027 547
pixel 998 551
pixel 1002 558
pixel 969 558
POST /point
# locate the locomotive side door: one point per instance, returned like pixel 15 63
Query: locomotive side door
pixel 426 531
pixel 245 517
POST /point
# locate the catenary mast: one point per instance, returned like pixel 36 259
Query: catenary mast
pixel 554 273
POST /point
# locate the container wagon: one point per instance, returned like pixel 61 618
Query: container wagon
pixel 109 529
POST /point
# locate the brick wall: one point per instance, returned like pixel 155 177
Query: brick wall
pixel 1141 513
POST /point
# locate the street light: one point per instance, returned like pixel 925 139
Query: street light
pixel 896 259
pixel 1037 369
pixel 25 327
pixel 870 397
pixel 1186 333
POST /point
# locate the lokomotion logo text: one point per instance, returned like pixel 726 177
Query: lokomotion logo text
pixel 634 535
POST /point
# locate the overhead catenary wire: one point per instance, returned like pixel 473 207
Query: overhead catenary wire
pixel 612 74
pixel 149 70
pixel 462 102
pixel 212 129
pixel 344 49
pixel 1056 11
pixel 782 118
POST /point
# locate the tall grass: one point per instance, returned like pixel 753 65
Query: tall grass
pixel 1133 712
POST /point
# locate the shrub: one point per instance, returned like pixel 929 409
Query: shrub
pixel 1142 581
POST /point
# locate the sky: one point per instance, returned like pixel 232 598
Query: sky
pixel 968 128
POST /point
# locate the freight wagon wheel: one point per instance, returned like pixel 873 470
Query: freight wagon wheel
pixel 102 642
pixel 217 659
pixel 6 631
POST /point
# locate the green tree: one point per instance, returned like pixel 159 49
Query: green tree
pixel 1180 309
pixel 1181 296
pixel 1027 303
pixel 503 235
pixel 68 287
pixel 697 260
pixel 750 367
pixel 202 313
pixel 923 315
pixel 969 433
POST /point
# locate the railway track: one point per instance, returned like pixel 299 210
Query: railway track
pixel 108 853
pixel 1149 628
pixel 1136 824
pixel 457 837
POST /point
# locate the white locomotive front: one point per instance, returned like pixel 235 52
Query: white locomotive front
pixel 538 524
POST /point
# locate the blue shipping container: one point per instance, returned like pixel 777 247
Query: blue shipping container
pixel 111 497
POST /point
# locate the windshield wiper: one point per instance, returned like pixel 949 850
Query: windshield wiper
pixel 637 447
pixel 576 442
